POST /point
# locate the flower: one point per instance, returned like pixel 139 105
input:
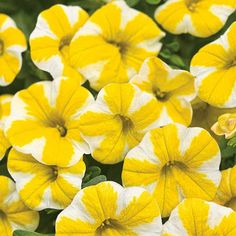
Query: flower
pixel 173 89
pixel 5 102
pixel 226 125
pixel 50 41
pixel 41 186
pixel 226 193
pixel 174 162
pixel 13 212
pixel 214 68
pixel 118 49
pixel 110 209
pixel 12 44
pixel 198 217
pixel 205 115
pixel 117 121
pixel 44 121
pixel 201 18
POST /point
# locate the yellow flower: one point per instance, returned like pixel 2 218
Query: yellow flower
pixel 214 67
pixel 205 115
pixel 5 103
pixel 113 44
pixel 226 125
pixel 117 121
pixel 13 213
pixel 41 186
pixel 197 217
pixel 109 209
pixel 12 44
pixel 174 162
pixel 201 18
pixel 173 89
pixel 226 193
pixel 50 40
pixel 44 121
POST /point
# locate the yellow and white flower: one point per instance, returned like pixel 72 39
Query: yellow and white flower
pixel 173 89
pixel 174 162
pixel 12 44
pixel 109 209
pixel 214 67
pixel 41 186
pixel 51 38
pixel 197 217
pixel 5 103
pixel 13 212
pixel 117 121
pixel 226 193
pixel 226 125
pixel 113 44
pixel 44 121
pixel 201 18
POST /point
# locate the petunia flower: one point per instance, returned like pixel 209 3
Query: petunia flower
pixel 44 121
pixel 113 44
pixel 41 186
pixel 174 162
pixel 173 89
pixel 110 209
pixel 5 103
pixel 117 121
pixel 214 67
pixel 226 193
pixel 12 44
pixel 198 217
pixel 201 18
pixel 13 212
pixel 51 39
pixel 226 125
pixel 205 115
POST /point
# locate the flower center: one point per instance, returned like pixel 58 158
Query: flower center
pixel 231 63
pixel 109 224
pixel 160 95
pixel 170 164
pixel 54 172
pixel 231 202
pixel 1 47
pixel 62 130
pixel 2 214
pixel 127 123
pixel 65 41
pixel 191 4
pixel 122 46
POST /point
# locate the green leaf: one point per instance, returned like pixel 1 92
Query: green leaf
pixel 232 142
pixel 165 53
pixel 228 152
pixel 132 3
pixel 173 46
pixel 177 61
pixel 28 233
pixel 153 2
pixel 96 180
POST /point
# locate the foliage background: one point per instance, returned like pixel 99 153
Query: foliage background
pixel 177 51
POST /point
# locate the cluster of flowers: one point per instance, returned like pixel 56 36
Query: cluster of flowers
pixel 140 116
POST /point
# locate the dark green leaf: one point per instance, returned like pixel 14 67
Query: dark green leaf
pixel 27 233
pixel 177 61
pixel 96 180
pixel 132 3
pixel 153 2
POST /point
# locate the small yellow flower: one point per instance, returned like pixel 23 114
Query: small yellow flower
pixel 201 18
pixel 226 193
pixel 226 125
pixel 117 121
pixel 13 212
pixel 113 44
pixel 214 67
pixel 50 40
pixel 205 115
pixel 5 103
pixel 197 217
pixel 44 121
pixel 173 89
pixel 41 186
pixel 109 209
pixel 12 44
pixel 174 162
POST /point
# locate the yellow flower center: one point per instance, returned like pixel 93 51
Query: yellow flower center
pixel 173 163
pixel 231 202
pixel 191 4
pixel 109 224
pixel 230 63
pixel 62 130
pixel 122 46
pixel 127 123
pixel 160 95
pixel 54 172
pixel 2 214
pixel 1 47
pixel 65 41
